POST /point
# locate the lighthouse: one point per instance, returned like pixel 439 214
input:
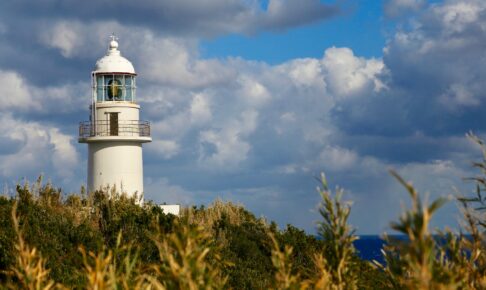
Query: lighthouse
pixel 114 132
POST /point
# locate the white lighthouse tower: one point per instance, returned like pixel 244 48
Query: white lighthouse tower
pixel 114 132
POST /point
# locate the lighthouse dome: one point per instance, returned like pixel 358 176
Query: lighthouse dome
pixel 113 62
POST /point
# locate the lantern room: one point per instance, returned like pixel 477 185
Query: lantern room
pixel 114 77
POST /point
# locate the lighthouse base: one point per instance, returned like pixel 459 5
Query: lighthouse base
pixel 116 165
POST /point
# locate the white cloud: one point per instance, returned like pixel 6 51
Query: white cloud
pixel 348 75
pixel 42 149
pixel 161 190
pixel 304 72
pixel 165 148
pixel 64 155
pixel 21 96
pixel 16 93
pixel 230 147
pixel 166 60
pixel 458 96
pixel 200 110
pixel 456 16
pixel 335 158
pixel 63 36
pixel 253 92
pixel 175 62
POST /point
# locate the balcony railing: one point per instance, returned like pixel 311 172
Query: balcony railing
pixel 124 128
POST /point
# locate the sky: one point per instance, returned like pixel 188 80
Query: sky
pixel 249 101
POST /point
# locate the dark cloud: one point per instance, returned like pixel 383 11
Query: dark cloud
pixel 282 14
pixel 47 26
pixel 10 146
pixel 200 18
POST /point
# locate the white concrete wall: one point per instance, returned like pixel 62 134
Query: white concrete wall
pixel 116 164
pixel 171 208
pixel 127 111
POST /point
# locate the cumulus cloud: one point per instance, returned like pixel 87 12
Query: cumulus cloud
pixel 229 146
pixel 200 110
pixel 64 36
pixel 16 92
pixel 348 75
pixel 64 155
pixel 38 148
pixel 165 148
pixel 434 77
pixel 338 159
pixel 166 192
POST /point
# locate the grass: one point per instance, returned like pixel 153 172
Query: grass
pixel 105 241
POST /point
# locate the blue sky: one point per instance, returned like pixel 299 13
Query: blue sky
pixel 250 100
pixel 361 26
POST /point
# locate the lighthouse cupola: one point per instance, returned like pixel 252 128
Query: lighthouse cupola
pixel 114 132
pixel 114 77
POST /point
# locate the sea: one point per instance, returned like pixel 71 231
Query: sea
pixel 369 247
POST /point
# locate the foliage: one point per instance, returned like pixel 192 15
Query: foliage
pixel 29 271
pixel 416 263
pixel 103 240
pixel 445 260
pixel 282 261
pixel 338 236
pixel 184 262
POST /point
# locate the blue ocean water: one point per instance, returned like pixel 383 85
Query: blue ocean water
pixel 369 247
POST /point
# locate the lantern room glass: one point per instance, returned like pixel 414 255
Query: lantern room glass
pixel 115 88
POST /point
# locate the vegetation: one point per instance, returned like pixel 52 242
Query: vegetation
pixel 106 241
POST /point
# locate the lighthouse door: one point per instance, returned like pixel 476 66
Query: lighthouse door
pixel 113 124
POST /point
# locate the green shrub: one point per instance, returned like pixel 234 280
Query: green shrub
pixel 108 241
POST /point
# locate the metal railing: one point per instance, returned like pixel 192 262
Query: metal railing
pixel 104 128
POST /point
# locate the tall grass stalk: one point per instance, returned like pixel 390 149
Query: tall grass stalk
pixel 282 261
pixel 339 236
pixel 30 270
pixel 184 260
pixel 118 269
pixel 424 261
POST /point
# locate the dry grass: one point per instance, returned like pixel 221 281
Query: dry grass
pixel 116 269
pixel 425 261
pixel 184 260
pixel 339 264
pixel 282 261
pixel 189 255
pixel 234 213
pixel 29 271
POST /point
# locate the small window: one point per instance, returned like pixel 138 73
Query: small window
pixel 128 89
pixel 100 96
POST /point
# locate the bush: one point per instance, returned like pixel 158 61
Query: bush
pixel 108 241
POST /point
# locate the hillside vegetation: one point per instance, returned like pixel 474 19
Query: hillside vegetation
pixel 91 241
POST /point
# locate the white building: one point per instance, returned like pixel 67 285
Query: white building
pixel 114 132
